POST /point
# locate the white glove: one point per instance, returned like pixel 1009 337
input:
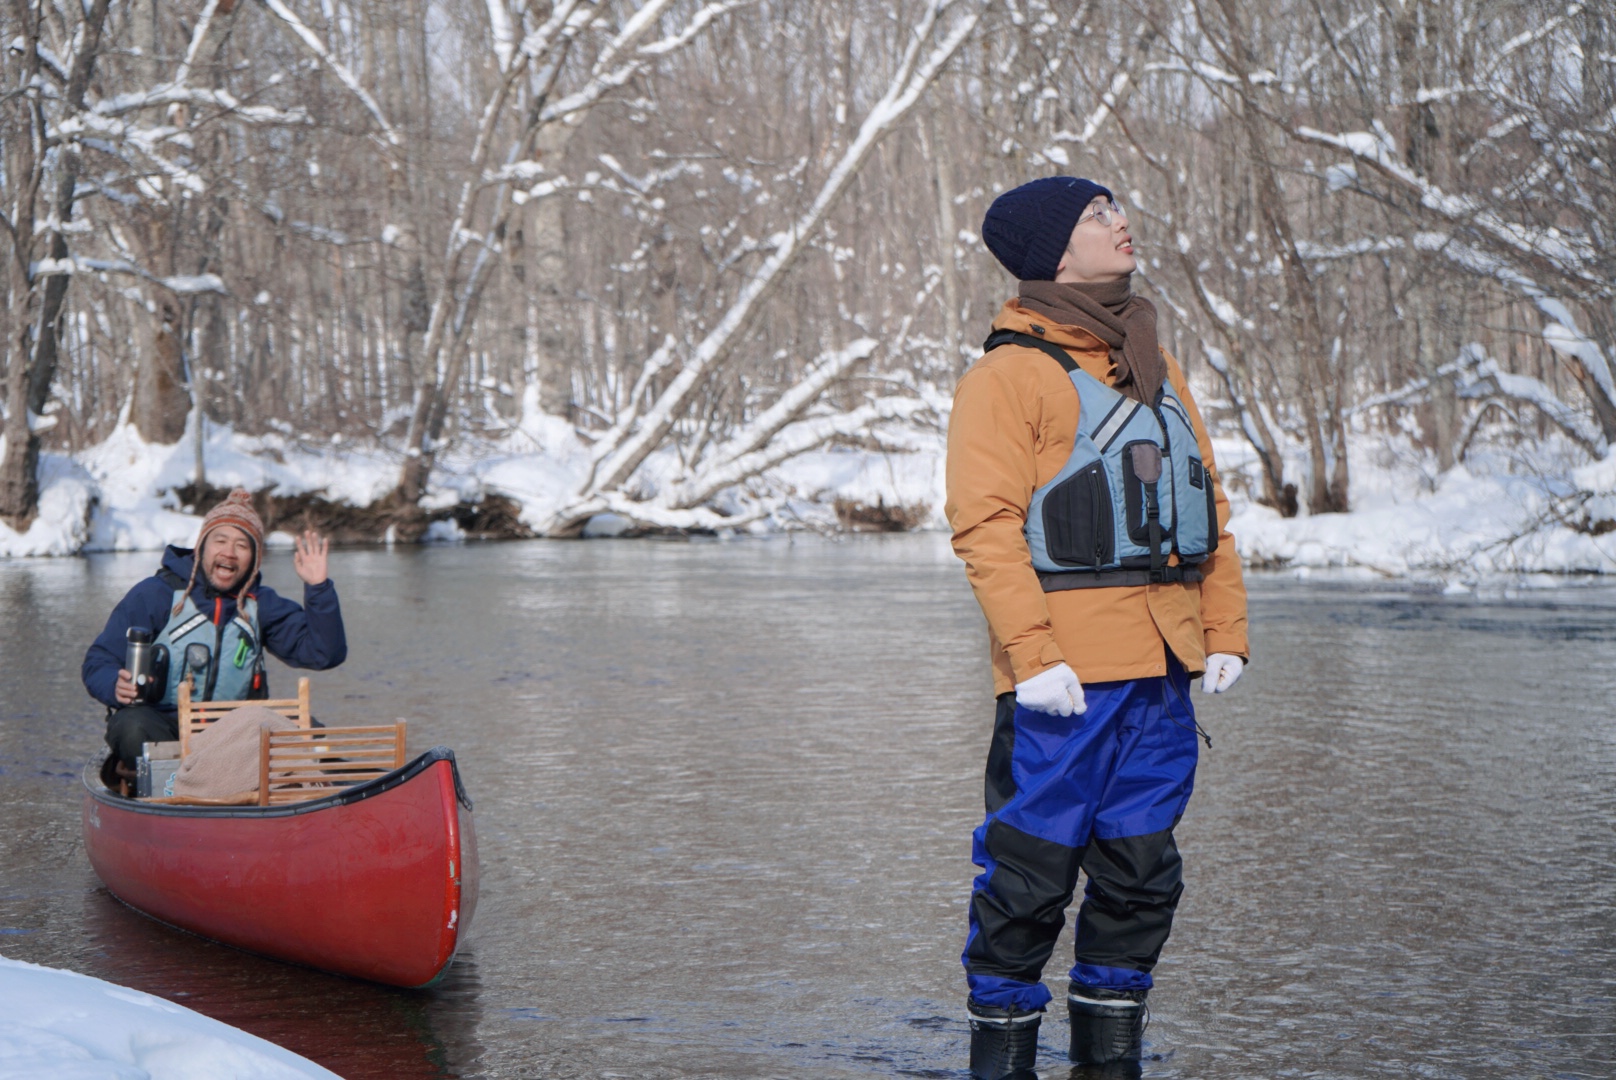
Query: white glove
pixel 1055 691
pixel 1222 672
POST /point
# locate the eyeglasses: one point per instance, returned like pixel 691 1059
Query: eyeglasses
pixel 1104 214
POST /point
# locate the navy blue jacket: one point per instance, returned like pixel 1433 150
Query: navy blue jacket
pixel 309 636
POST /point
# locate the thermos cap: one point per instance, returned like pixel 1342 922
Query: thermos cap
pixel 138 635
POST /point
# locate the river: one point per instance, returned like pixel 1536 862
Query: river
pixel 724 795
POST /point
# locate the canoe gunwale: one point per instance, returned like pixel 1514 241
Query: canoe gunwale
pixel 342 797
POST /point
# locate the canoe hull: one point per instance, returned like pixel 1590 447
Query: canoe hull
pixel 378 882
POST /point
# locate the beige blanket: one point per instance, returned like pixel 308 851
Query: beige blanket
pixel 223 758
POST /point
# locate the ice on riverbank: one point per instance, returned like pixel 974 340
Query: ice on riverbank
pixel 1538 508
pixel 67 1026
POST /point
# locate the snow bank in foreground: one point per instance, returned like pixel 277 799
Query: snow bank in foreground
pixel 67 1026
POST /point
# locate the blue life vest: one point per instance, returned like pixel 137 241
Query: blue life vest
pixel 236 655
pixel 1101 521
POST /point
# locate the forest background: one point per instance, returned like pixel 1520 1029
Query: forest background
pixel 522 268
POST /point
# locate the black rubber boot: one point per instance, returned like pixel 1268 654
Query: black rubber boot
pixel 1107 1025
pixel 1004 1042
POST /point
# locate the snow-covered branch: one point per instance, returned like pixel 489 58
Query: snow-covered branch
pixel 789 442
pixel 176 93
pixel 183 284
pixel 199 34
pixel 1486 378
pixel 912 77
pixel 312 42
pixel 729 463
pixel 630 411
pixel 603 81
pixel 1569 251
pixel 1560 330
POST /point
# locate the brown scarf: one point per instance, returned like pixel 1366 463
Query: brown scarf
pixel 1115 314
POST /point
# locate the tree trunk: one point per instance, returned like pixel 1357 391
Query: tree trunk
pixel 1602 330
pixel 947 232
pixel 550 281
pixel 19 471
pixel 1320 408
pixel 33 363
pixel 162 398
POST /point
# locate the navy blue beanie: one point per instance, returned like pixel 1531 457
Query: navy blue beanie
pixel 1028 228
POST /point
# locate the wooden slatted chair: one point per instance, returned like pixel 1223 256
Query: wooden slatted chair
pixel 298 765
pixel 196 715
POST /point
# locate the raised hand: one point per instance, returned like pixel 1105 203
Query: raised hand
pixel 308 558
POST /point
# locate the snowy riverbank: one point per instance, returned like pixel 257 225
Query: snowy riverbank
pixel 124 494
pixel 67 1026
pixel 1539 508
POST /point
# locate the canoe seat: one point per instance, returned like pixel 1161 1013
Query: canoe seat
pixel 308 764
pixel 195 715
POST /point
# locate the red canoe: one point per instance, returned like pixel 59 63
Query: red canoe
pixel 378 881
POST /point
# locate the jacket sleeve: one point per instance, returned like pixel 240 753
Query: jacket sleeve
pixel 310 636
pixel 1223 586
pixel 144 605
pixel 992 472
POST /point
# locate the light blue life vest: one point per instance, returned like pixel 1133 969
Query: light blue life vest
pixel 236 654
pixel 1092 524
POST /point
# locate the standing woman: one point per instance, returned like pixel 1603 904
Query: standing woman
pixel 1085 503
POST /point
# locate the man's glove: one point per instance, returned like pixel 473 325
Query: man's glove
pixel 1222 672
pixel 1055 691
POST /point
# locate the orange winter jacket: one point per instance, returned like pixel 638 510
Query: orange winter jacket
pixel 1012 429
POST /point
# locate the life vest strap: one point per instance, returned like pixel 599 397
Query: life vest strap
pixel 1015 337
pixel 1103 579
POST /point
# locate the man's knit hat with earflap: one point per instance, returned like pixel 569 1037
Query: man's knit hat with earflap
pixel 237 509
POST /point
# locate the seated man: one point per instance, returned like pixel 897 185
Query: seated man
pixel 212 597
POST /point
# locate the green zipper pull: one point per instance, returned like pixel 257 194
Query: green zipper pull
pixel 242 651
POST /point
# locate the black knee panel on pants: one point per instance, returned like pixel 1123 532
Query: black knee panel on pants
pixel 999 785
pixel 135 724
pixel 1133 890
pixel 1021 912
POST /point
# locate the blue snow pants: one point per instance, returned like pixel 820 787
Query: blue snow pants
pixel 1100 792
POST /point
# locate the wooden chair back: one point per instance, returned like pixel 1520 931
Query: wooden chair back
pixel 298 765
pixel 196 715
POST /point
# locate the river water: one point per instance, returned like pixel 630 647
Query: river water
pixel 724 795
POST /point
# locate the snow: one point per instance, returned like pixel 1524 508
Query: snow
pixel 1496 515
pixel 117 495
pixel 62 526
pixel 194 283
pixel 67 1026
pixel 908 479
